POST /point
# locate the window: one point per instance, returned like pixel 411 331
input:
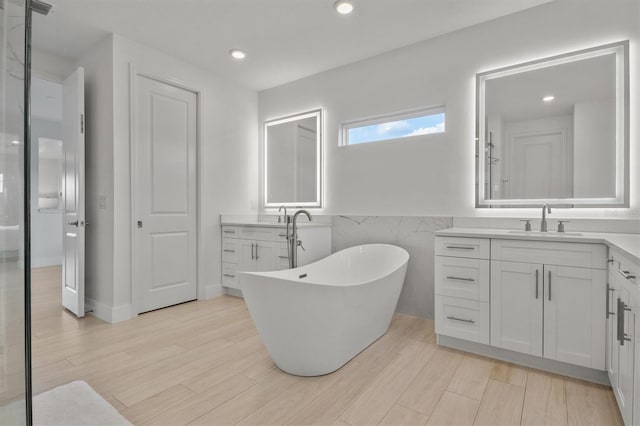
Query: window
pixel 394 126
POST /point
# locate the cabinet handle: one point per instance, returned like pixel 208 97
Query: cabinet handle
pixel 283 257
pixel 626 274
pixel 257 251
pixel 461 320
pixel 282 235
pixel 620 323
pixel 229 275
pixel 460 248
pixel 460 279
pixel 229 251
pixel 252 256
pixel 229 231
pixel 609 290
pixel 622 307
pixel 549 286
pixel 537 273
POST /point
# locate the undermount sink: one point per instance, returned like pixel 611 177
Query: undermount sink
pixel 550 233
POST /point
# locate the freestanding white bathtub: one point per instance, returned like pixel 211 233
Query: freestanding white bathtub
pixel 313 319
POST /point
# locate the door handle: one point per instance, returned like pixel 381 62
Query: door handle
pixel 74 223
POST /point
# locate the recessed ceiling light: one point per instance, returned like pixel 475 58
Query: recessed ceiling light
pixel 343 7
pixel 15 142
pixel 237 54
pixel 548 98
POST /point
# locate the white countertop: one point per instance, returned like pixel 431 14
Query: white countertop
pixel 240 222
pixel 628 243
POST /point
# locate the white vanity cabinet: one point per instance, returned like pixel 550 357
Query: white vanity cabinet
pixel 553 308
pixel 251 249
pixel 623 336
pixel 255 248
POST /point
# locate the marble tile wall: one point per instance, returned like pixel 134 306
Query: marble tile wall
pixel 414 234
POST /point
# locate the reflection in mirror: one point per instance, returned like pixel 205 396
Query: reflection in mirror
pixel 292 172
pixel 554 131
pixel 49 174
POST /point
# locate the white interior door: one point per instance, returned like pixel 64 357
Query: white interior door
pixel 165 194
pixel 538 158
pixel 73 192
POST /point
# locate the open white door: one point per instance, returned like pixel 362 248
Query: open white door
pixel 73 192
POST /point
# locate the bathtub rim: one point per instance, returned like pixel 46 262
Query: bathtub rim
pixel 276 274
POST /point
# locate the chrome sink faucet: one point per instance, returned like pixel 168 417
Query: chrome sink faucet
pixel 294 242
pixel 286 217
pixel 543 224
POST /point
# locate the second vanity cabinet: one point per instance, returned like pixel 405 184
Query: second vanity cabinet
pixel 263 247
pixel 251 249
pixel 623 347
pixel 548 300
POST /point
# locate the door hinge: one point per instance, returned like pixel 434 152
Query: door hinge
pixel 139 224
pixel 82 123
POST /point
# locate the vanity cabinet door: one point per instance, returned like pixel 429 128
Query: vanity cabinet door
pixel 574 315
pixel 266 254
pixel 516 306
pixel 624 388
pixel 246 255
pixel 613 345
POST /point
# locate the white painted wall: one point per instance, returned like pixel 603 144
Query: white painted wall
pixel 46 227
pixel 229 157
pixel 50 67
pixel 594 150
pixel 434 175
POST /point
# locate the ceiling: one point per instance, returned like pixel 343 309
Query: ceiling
pixel 285 40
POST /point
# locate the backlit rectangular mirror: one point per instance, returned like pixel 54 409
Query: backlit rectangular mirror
pixel 292 160
pixel 555 131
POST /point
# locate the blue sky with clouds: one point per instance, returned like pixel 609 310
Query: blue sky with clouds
pixel 433 123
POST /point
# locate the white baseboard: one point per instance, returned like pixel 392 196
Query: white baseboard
pixel 108 313
pixel 46 261
pixel 575 371
pixel 212 291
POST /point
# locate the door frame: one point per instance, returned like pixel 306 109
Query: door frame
pixel 134 73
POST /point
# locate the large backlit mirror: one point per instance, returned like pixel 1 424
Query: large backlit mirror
pixel 292 160
pixel 555 131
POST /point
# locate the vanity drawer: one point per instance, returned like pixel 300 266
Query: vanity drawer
pixel 230 250
pixel 624 268
pixel 257 233
pixel 579 255
pixel 464 278
pixel 476 248
pixel 462 318
pixel 230 275
pixel 229 231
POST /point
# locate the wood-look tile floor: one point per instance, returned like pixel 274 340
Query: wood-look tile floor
pixel 202 363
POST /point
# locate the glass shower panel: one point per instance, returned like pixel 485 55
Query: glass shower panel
pixel 13 361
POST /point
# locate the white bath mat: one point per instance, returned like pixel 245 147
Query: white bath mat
pixel 75 404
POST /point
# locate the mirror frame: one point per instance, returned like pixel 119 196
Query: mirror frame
pixel 621 199
pixel 318 114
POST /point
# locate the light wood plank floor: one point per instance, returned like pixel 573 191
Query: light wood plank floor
pixel 202 363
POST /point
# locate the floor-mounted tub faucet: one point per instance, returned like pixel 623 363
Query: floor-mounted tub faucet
pixel 294 242
pixel 543 224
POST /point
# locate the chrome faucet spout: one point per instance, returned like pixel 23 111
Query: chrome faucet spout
pixel 543 224
pixel 294 242
pixel 286 216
